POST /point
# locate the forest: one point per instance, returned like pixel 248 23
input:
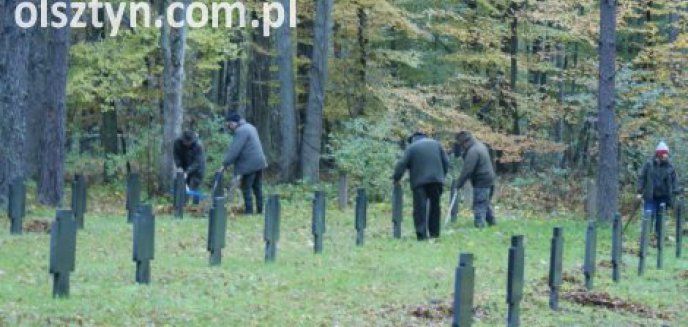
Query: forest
pixel 535 80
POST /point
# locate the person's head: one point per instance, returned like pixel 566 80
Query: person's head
pixel 662 152
pixel 233 120
pixel 464 139
pixel 416 136
pixel 188 138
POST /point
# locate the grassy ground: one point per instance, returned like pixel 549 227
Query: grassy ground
pixel 386 282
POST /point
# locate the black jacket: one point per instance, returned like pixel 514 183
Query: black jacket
pixel 658 180
pixel 191 159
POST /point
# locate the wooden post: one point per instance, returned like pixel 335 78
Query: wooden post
pixel 343 198
pixel 589 266
pixel 217 229
pixel 16 208
pixel 617 247
pixel 644 239
pixel 464 287
pixel 361 212
pixel 397 210
pixel 318 224
pixel 555 267
pixel 62 251
pixel 515 279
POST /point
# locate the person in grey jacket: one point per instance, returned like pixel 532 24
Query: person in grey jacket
pixel 477 167
pixel 246 154
pixel 428 165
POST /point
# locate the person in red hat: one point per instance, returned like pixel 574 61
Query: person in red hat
pixel 658 181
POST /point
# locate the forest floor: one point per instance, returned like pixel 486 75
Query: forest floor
pixel 386 282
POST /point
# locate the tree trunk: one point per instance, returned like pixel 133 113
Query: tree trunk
pixel 108 139
pixel 608 171
pixel 312 133
pixel 173 42
pixel 259 111
pixel 288 132
pixel 14 75
pixel 37 102
pixel 363 62
pixel 514 68
pixel 53 143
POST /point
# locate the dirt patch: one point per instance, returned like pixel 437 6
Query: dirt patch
pixel 570 278
pixel 432 311
pixel 631 251
pixel 37 226
pixel 603 299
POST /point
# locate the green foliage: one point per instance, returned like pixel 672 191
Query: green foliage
pixel 363 149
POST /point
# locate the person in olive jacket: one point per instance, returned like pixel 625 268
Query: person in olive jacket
pixel 247 156
pixel 477 167
pixel 428 165
pixel 189 159
pixel 658 182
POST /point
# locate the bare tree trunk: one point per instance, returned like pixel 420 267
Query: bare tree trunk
pixel 259 111
pixel 288 132
pixel 363 62
pixel 13 97
pixel 53 143
pixel 608 171
pixel 173 41
pixel 312 132
pixel 37 102
pixel 514 67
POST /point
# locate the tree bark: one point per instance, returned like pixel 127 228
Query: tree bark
pixel 37 102
pixel 288 132
pixel 514 68
pixel 312 133
pixel 608 171
pixel 258 112
pixel 14 76
pixel 53 142
pixel 173 42
pixel 363 62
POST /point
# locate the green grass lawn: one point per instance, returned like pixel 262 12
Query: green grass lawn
pixel 380 284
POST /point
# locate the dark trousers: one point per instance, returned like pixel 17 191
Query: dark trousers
pixel 654 205
pixel 482 207
pixel 252 183
pixel 427 219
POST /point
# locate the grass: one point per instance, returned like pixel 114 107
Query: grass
pixel 379 284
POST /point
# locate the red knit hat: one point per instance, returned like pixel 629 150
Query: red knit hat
pixel 662 148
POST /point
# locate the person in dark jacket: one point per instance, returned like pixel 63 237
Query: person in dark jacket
pixel 477 167
pixel 246 154
pixel 428 165
pixel 189 159
pixel 658 182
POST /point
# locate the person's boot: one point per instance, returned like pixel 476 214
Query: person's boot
pixel 491 221
pixel 421 236
pixel 479 221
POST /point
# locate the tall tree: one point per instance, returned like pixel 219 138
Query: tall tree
pixel 312 130
pixel 259 110
pixel 53 141
pixel 285 62
pixel 608 170
pixel 173 42
pixel 14 77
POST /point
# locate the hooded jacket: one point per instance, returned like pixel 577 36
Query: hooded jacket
pixel 246 151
